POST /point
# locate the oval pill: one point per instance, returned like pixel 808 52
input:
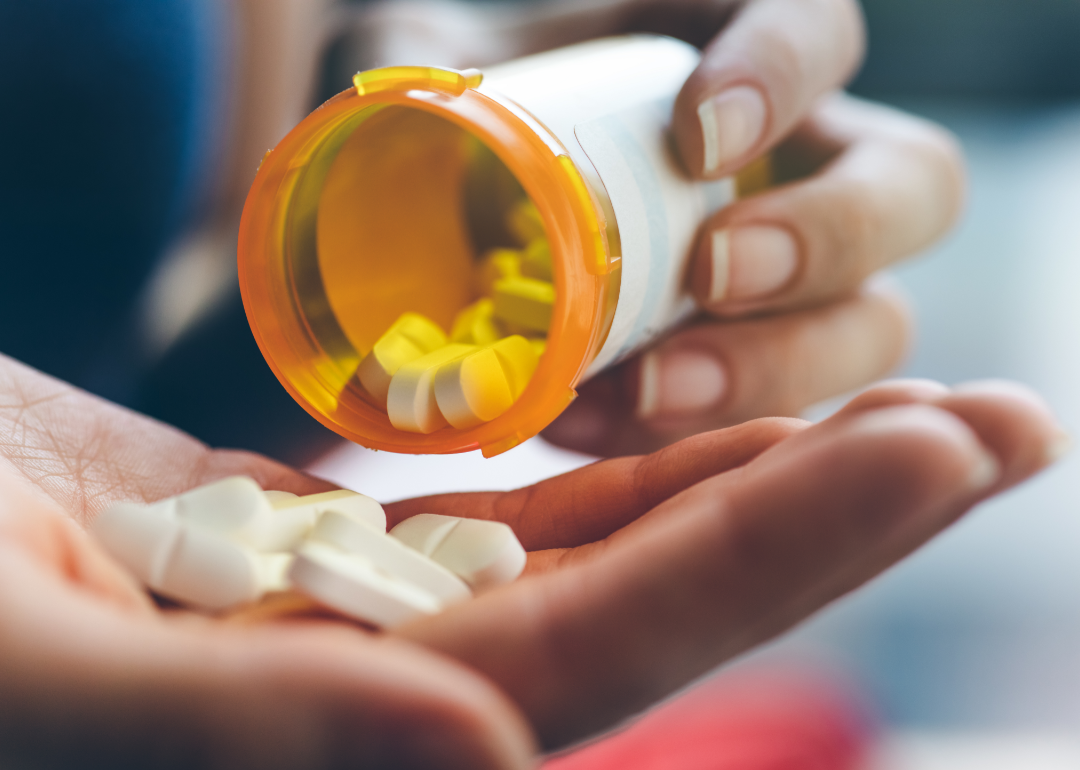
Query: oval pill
pixel 210 571
pixel 237 508
pixel 411 403
pixel 420 330
pixel 352 586
pixel 519 360
pixel 473 390
pixel 408 338
pixel 380 365
pixel 353 504
pixel 424 532
pixel 475 324
pixel 140 537
pixel 234 506
pixel 524 302
pixel 391 556
pixel 482 553
pixel 479 387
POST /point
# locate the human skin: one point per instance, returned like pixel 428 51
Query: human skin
pixel 643 573
pixel 790 314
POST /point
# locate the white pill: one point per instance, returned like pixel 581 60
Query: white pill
pixel 352 586
pixel 181 560
pixel 274 570
pixel 482 553
pixel 209 571
pixel 237 508
pixel 410 403
pixel 343 501
pixel 227 505
pixel 377 369
pixel 424 532
pixel 390 555
pixel 411 336
pixel 473 390
pixel 140 537
pixel 278 497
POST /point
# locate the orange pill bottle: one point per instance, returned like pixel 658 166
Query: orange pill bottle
pixel 381 200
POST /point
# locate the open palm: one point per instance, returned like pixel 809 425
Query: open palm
pixel 644 573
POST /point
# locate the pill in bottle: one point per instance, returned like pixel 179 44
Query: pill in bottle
pixel 381 202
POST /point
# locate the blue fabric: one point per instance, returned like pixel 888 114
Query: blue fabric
pixel 111 117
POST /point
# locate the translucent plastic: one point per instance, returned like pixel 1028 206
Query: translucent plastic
pixel 381 200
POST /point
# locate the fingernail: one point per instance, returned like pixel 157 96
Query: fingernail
pixel 751 262
pixel 985 473
pixel 731 123
pixel 679 382
pixel 1058 447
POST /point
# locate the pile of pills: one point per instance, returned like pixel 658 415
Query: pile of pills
pixel 426 380
pixel 227 544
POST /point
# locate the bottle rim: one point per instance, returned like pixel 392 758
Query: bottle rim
pixel 319 380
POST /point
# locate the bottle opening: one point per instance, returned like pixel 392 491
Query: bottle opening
pixel 408 205
pixel 389 208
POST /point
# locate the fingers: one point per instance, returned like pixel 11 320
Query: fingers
pixel 998 410
pixel 895 185
pixel 740 557
pixel 760 76
pixel 722 373
pixel 85 686
pixel 588 504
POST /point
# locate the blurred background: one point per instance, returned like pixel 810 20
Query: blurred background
pixel 969 651
pixel 981 631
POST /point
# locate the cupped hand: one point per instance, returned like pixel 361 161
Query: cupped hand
pixel 643 573
pixel 92 674
pixel 647 572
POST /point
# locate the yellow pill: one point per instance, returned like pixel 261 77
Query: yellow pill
pixel 409 338
pixel 410 402
pixel 476 324
pixel 496 264
pixel 377 369
pixel 536 260
pixel 479 387
pixel 472 390
pixel 524 222
pixel 525 302
pixel 420 330
pixel 519 360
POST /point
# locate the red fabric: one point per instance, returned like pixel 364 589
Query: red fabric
pixel 750 721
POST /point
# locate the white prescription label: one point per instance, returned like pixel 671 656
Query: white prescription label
pixel 659 211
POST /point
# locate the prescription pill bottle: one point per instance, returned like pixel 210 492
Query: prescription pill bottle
pixel 381 200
